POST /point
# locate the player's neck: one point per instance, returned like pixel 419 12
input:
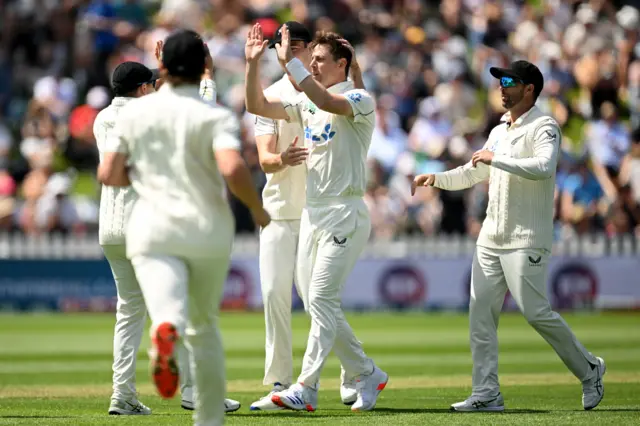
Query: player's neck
pixel 518 111
pixel 336 82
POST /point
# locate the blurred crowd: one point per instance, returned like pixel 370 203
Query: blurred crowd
pixel 425 61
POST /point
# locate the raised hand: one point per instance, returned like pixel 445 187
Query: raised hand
pixel 256 44
pixel 422 180
pixel 294 155
pixel 158 51
pixel 354 62
pixel 284 47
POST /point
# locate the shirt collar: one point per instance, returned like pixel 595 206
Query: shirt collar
pixel 119 101
pixel 506 117
pixel 192 90
pixel 341 87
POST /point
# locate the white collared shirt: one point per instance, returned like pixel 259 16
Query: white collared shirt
pixel 170 138
pixel 338 145
pixel 284 193
pixel 521 182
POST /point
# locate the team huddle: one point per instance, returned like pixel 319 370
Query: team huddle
pixel 167 230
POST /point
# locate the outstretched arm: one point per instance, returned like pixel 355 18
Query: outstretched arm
pixel 545 156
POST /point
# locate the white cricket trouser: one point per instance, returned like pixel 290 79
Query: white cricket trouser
pixel 278 245
pixel 332 238
pixel 131 314
pixel 188 293
pixel 524 273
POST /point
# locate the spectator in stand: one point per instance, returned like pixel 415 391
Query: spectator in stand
pixel 608 143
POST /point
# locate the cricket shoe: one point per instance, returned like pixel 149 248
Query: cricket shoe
pixel 348 392
pixel 265 403
pixel 132 407
pixel 297 397
pixel 230 405
pixel 164 365
pixel 368 387
pixel 476 403
pixel 593 389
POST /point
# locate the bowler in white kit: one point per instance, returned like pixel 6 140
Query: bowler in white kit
pixel 515 242
pixel 282 158
pixel 175 150
pixel 338 123
pixel 129 81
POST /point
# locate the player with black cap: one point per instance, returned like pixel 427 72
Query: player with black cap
pixel 181 228
pixel 130 80
pixel 284 198
pixel 514 245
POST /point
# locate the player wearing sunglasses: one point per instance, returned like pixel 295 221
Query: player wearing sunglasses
pixel 514 245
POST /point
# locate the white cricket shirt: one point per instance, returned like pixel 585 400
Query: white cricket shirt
pixel 116 202
pixel 170 137
pixel 338 145
pixel 521 182
pixel 284 193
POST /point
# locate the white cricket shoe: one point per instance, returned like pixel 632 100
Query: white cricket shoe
pixel 348 392
pixel 132 407
pixel 593 389
pixel 368 388
pixel 230 405
pixel 476 403
pixel 265 403
pixel 297 397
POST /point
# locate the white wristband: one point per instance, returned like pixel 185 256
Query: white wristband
pixel 297 70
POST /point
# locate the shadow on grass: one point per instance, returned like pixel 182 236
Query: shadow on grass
pixel 447 410
pixel 38 417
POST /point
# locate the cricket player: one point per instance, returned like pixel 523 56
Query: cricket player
pixel 129 81
pixel 180 231
pixel 338 123
pixel 284 198
pixel 515 241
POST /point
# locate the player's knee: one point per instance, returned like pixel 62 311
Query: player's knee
pixel 274 295
pixel 538 316
pixel 132 309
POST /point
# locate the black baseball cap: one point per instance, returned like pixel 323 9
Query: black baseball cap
pixel 184 54
pixel 524 71
pixel 128 76
pixel 297 31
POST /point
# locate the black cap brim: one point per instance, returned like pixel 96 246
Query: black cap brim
pixel 272 43
pixel 155 74
pixel 504 72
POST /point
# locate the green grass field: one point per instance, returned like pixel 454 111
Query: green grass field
pixel 55 370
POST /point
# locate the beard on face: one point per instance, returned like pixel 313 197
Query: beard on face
pixel 511 100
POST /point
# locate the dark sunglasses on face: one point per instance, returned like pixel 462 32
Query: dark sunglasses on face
pixel 507 82
pixel 152 82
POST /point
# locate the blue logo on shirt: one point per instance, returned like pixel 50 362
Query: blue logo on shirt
pixel 355 97
pixel 327 135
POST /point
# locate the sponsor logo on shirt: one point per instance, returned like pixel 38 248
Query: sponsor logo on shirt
pixel 325 136
pixel 311 108
pixel 355 97
pixel 535 261
pixel 339 242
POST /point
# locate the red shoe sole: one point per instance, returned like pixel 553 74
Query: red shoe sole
pixel 276 400
pixel 164 367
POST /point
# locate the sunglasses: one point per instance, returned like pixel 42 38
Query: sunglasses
pixel 507 82
pixel 151 82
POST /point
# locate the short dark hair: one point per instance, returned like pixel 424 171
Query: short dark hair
pixel 184 55
pixel 338 51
